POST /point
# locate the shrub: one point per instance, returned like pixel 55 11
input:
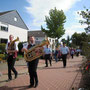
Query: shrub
pixel 2 48
pixel 86 48
pixel 20 46
pixel 2 56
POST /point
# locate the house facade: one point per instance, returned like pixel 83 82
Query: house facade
pixel 40 36
pixel 12 23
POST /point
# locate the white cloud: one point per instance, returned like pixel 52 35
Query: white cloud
pixel 77 16
pixel 40 8
pixel 74 28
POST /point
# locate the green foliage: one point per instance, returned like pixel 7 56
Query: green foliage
pixel 20 46
pixel 2 56
pixel 64 40
pixel 86 16
pixel 55 24
pixel 78 39
pixel 86 48
pixel 2 47
pixel 68 41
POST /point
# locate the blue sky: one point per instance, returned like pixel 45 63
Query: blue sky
pixel 33 12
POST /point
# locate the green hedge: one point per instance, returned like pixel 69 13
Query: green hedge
pixel 2 56
pixel 20 46
pixel 2 48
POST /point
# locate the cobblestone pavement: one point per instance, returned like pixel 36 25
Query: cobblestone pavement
pixel 54 77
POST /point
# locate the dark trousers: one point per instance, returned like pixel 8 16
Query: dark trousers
pixel 72 56
pixel 64 57
pixel 11 63
pixel 77 54
pixel 48 57
pixel 32 69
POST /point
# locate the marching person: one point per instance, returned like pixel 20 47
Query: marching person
pixel 72 51
pixel 32 65
pixel 12 53
pixel 64 52
pixel 47 55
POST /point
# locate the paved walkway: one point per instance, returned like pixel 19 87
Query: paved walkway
pixel 54 77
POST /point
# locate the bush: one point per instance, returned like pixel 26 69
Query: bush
pixel 86 48
pixel 20 46
pixel 2 48
pixel 2 56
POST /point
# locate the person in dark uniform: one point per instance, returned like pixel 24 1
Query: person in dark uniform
pixel 32 65
pixel 12 53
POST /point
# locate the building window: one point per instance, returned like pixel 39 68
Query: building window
pixel 4 28
pixel 15 19
pixel 3 40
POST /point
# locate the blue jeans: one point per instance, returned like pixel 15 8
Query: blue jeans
pixel 56 59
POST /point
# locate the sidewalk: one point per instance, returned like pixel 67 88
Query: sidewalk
pixel 54 77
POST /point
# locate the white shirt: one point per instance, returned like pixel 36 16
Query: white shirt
pixel 64 50
pixel 47 50
pixel 16 48
pixel 25 45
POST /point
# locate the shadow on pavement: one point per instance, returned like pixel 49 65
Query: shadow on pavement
pixel 20 65
pixel 74 61
pixel 50 67
pixel 73 71
pixel 13 88
pixel 3 81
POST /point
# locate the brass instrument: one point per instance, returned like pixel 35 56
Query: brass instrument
pixel 17 39
pixel 32 54
pixel 11 47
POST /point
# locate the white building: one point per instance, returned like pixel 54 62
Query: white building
pixel 12 23
pixel 40 36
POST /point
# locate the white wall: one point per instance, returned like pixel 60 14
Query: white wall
pixel 15 31
pixel 3 34
pixel 52 41
pixel 18 32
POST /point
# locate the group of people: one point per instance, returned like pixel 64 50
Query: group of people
pixel 62 53
pixel 32 65
pixel 71 52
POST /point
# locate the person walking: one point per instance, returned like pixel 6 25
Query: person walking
pixel 64 52
pixel 56 55
pixel 12 53
pixel 32 65
pixel 72 51
pixel 47 55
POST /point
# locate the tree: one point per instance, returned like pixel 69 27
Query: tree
pixel 55 24
pixel 86 16
pixel 68 40
pixel 63 40
pixel 78 39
